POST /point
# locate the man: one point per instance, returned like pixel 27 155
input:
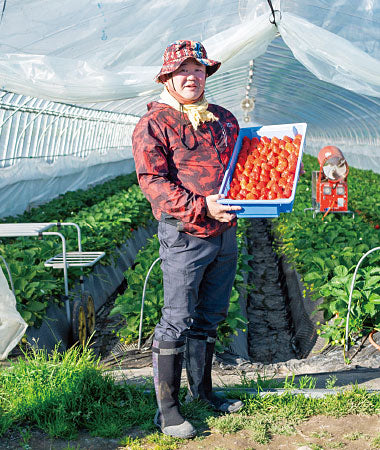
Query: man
pixel 181 148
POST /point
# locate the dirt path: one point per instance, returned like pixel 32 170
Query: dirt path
pixel 320 432
pixel 349 433
pixel 270 337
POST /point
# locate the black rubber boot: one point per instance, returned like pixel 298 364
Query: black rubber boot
pixel 167 358
pixel 199 354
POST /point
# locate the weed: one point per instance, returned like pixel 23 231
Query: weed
pixel 316 447
pixel 304 382
pixel 289 384
pixel 260 429
pixel 261 382
pixel 321 434
pixel 62 393
pixel 164 442
pixel 229 424
pixel 25 434
pixel 307 382
pixel 355 436
pixel 375 443
pixel 336 445
pixel 131 443
pixel 331 381
pixel 6 419
pixel 262 424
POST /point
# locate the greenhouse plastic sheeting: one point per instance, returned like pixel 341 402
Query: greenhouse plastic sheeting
pixel 34 183
pixel 89 50
pixel 318 63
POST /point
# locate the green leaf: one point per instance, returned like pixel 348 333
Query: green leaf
pixel 36 306
pixel 320 262
pixel 339 281
pixel 370 308
pixel 374 298
pixel 26 315
pixel 375 280
pixel 245 268
pixel 340 271
pixel 312 276
pixel 374 270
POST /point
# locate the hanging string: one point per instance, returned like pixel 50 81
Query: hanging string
pixel 2 12
pixel 272 18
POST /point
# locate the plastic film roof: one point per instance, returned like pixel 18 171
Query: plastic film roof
pixel 320 62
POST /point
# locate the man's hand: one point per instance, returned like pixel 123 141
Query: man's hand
pixel 218 211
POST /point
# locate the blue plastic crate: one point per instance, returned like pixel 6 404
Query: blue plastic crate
pixel 263 208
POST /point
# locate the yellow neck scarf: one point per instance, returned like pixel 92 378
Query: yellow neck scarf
pixel 196 112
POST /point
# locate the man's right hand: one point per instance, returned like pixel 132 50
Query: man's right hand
pixel 218 211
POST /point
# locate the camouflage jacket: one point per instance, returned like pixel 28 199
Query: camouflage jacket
pixel 177 166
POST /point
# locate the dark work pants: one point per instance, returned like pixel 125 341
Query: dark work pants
pixel 198 274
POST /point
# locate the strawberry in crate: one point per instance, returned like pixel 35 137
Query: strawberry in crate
pixel 265 168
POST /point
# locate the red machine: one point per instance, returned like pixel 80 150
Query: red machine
pixel 329 184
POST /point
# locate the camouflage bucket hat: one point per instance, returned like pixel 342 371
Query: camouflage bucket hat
pixel 177 52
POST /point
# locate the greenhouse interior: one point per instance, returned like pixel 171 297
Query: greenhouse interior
pixel 76 78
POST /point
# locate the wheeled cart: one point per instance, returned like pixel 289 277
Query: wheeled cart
pixel 81 314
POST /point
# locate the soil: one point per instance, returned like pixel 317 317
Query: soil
pixel 320 432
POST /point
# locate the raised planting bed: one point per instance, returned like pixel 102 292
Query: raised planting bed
pixel 108 216
pixel 325 251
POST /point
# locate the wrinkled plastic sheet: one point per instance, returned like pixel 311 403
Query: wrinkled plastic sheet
pixel 12 325
pixel 239 342
pixel 34 183
pixel 105 54
pixel 330 57
pixel 357 155
pixel 83 51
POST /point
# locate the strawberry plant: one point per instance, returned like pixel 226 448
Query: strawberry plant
pixel 128 304
pixel 105 224
pixel 365 308
pixel 325 253
pixel 364 194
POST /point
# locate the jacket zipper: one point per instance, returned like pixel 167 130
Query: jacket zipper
pixel 216 149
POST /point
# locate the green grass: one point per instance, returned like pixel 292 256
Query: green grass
pixel 62 394
pixel 270 415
